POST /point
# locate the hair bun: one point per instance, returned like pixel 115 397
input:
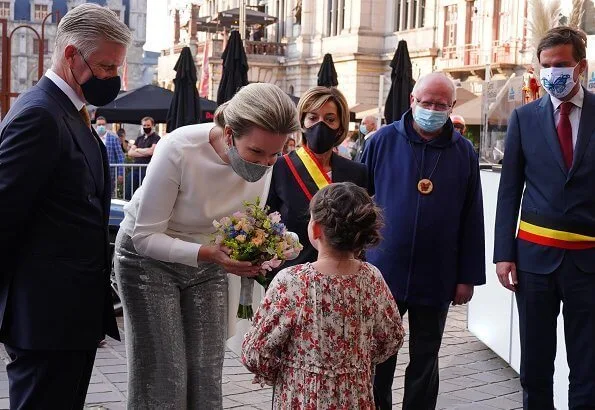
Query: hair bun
pixel 350 219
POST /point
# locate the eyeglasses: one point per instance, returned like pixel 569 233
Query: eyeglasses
pixel 428 105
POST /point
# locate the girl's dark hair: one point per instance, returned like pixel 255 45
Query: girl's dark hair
pixel 350 220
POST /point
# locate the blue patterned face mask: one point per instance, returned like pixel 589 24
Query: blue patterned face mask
pixel 429 120
pixel 557 81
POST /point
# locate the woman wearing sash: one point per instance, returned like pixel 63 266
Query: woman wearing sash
pixel 297 176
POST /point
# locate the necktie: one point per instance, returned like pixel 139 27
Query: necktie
pixel 85 116
pixel 564 129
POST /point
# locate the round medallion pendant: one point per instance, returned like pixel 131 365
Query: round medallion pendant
pixel 425 186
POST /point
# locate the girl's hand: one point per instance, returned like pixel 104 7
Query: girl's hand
pixel 220 255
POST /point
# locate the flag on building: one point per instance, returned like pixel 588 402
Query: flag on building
pixel 204 76
pixel 125 76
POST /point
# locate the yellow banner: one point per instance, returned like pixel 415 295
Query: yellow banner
pixel 313 169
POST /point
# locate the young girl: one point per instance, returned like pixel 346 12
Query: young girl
pixel 323 326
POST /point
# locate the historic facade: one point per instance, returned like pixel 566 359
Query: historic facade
pixel 24 42
pixel 460 37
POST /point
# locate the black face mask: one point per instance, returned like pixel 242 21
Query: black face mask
pixel 320 137
pixel 97 91
pixel 147 130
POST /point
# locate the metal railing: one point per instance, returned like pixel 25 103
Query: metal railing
pixel 265 48
pixel 252 48
pixel 455 56
pixel 501 52
pixel 126 178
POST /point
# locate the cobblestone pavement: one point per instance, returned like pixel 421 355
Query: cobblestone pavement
pixel 471 376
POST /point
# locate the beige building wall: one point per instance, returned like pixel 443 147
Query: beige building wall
pixel 459 37
pixel 361 39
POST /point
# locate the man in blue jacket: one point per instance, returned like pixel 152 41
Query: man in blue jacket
pixel 549 162
pixel 425 176
pixel 115 155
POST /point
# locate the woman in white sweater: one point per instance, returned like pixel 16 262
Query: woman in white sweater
pixel 172 280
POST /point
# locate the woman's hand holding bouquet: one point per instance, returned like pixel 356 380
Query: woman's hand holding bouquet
pixel 220 255
pixel 253 236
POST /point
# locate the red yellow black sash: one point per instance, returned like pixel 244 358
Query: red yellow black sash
pixel 307 171
pixel 555 232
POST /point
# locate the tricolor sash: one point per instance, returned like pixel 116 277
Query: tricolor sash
pixel 554 232
pixel 307 171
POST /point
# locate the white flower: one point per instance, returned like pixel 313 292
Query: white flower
pixel 275 217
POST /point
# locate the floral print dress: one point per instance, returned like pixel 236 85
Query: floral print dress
pixel 317 337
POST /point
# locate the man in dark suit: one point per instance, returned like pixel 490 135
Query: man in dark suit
pixel 55 301
pixel 549 163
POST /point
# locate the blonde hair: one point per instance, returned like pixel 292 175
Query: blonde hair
pixel 85 26
pixel 261 105
pixel 316 97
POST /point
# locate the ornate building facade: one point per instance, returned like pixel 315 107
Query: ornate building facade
pixel 24 43
pixel 459 37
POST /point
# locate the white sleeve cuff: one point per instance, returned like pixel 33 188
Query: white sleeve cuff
pixel 184 252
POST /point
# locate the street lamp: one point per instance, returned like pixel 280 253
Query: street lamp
pixel 42 42
pixel 6 93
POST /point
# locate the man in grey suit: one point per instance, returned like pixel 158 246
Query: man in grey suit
pixel 55 301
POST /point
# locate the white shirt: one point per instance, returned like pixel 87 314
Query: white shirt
pixel 187 186
pixel 575 113
pixel 66 89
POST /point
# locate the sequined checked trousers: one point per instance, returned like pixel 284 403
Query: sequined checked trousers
pixel 175 329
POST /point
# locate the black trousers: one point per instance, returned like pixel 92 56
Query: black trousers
pixel 426 326
pixel 538 298
pixel 50 380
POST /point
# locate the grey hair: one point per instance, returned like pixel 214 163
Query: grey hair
pixel 85 26
pixel 261 105
pixel 420 84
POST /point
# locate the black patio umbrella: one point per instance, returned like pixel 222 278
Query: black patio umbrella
pixel 401 86
pixel 235 68
pixel 185 104
pixel 327 76
pixel 149 100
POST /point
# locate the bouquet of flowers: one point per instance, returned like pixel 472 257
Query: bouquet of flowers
pixel 256 236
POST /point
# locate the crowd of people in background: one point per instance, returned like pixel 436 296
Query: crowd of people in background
pixel 125 179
